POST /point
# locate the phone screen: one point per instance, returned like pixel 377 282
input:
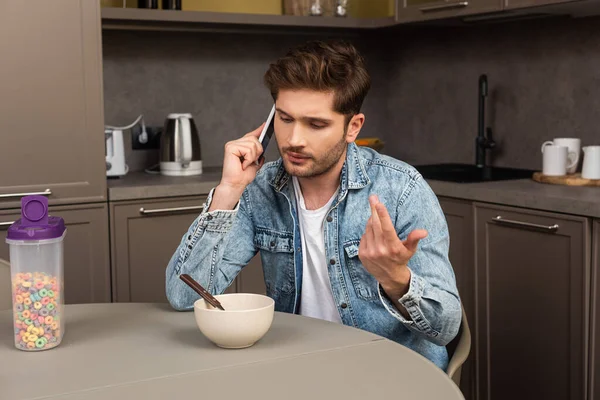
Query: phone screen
pixel 267 132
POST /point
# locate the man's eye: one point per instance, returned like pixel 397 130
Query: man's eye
pixel 286 120
pixel 315 126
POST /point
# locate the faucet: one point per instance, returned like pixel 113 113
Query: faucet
pixel 484 139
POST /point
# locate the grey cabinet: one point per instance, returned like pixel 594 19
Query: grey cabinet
pixel 144 236
pixel 86 250
pixel 420 10
pixel 460 220
pixel 532 304
pixel 510 4
pixel 51 117
pixel 594 359
pixel 251 279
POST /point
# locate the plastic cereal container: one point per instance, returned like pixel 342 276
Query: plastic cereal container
pixel 36 267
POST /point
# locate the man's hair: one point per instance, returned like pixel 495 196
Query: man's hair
pixel 333 66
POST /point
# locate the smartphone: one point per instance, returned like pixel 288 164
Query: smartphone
pixel 267 132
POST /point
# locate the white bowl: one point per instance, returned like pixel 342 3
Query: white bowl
pixel 246 319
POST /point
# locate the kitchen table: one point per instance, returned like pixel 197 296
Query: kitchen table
pixel 134 351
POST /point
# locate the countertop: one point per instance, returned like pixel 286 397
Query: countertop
pixel 584 201
pixel 527 193
pixel 141 185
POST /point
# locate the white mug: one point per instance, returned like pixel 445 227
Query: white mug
pixel 574 150
pixel 555 159
pixel 591 162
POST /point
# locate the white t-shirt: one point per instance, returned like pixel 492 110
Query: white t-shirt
pixel 317 299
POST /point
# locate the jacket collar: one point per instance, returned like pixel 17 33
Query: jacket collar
pixel 353 176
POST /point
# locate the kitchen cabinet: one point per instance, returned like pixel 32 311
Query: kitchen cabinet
pixel 144 236
pixel 509 4
pixel 86 250
pixel 460 220
pixel 52 114
pixel 251 279
pixel 421 10
pixel 594 359
pixel 532 304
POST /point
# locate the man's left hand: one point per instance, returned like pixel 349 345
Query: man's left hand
pixel 384 255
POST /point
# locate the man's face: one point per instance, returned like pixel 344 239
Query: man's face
pixel 310 135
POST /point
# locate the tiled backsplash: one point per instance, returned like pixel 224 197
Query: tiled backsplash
pixel 216 77
pixel 544 82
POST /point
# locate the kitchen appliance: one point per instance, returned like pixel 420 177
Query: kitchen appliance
pixel 115 153
pixel 180 147
pixel 115 146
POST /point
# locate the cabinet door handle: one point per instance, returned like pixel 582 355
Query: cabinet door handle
pixel 544 228
pixel 143 211
pixel 6 224
pixel 46 192
pixel 442 7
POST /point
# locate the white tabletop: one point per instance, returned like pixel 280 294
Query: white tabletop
pixel 130 351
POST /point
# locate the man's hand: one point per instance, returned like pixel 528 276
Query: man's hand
pixel 385 256
pixel 239 169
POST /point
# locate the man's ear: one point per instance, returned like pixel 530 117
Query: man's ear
pixel 354 127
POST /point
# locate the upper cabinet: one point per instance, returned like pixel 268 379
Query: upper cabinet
pixel 420 10
pixel 51 117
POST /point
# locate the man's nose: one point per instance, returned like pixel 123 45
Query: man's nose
pixel 297 137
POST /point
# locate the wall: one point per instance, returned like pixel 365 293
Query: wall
pixel 216 77
pixel 544 80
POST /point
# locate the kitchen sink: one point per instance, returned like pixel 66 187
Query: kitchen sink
pixel 470 173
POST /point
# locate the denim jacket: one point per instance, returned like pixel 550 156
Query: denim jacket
pixel 220 243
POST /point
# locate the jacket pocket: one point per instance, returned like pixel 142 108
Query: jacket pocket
pixel 279 242
pixel 365 285
pixel 277 256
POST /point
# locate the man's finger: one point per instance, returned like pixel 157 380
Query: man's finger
pixel 369 231
pixel 412 241
pixel 245 154
pixel 387 226
pixel 375 223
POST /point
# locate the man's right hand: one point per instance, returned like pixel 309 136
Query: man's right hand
pixel 239 170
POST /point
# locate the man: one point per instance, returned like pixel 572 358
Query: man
pixel 345 234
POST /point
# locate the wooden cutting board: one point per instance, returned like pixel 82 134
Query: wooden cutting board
pixel 568 180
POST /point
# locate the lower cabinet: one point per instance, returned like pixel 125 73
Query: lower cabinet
pixel 144 236
pixel 251 279
pixel 459 217
pixel 533 289
pixel 594 358
pixel 86 250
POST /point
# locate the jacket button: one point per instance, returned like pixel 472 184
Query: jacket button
pixel 209 217
pixel 344 305
pixel 332 261
pixel 272 244
pixel 329 219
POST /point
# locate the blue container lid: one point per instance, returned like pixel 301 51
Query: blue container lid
pixel 35 224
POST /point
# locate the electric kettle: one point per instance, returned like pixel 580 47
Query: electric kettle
pixel 180 147
pixel 115 153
